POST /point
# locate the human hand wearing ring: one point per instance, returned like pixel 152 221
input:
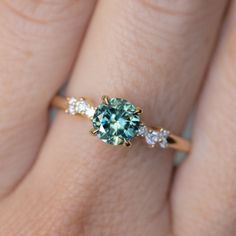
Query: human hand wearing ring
pixel 156 62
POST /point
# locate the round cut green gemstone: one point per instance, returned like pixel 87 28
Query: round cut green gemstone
pixel 116 122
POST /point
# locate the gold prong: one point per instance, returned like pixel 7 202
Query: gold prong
pixel 105 99
pixel 138 110
pixel 93 131
pixel 152 145
pixel 127 143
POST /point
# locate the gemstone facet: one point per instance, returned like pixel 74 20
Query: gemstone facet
pixel 152 137
pixel 90 112
pixel 142 131
pixel 80 106
pixel 72 106
pixel 163 135
pixel 116 122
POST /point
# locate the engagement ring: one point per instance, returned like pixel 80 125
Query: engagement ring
pixel 116 121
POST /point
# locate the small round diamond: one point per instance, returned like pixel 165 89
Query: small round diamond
pixel 152 137
pixel 163 143
pixel 90 112
pixel 72 106
pixel 142 131
pixel 82 106
pixel 163 135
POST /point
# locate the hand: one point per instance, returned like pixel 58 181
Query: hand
pixel 58 180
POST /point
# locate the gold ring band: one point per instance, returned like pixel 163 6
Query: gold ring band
pixel 117 121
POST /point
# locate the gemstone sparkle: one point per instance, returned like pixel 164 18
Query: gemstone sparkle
pixel 116 122
pixel 163 136
pixel 152 137
pixel 142 131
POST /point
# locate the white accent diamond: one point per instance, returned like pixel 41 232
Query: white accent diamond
pixel 82 106
pixel 163 143
pixel 152 137
pixel 90 112
pixel 162 140
pixel 72 106
pixel 142 131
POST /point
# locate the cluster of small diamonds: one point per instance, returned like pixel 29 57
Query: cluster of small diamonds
pixel 80 106
pixel 154 137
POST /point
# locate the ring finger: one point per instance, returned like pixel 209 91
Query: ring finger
pixel 135 50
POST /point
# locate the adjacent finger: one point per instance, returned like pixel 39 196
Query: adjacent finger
pixel 39 41
pixel 151 54
pixel 205 192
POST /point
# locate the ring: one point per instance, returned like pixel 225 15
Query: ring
pixel 116 121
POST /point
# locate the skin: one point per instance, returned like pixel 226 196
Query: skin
pixel 168 57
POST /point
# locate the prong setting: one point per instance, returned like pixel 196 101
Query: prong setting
pixel 116 121
pixel 93 131
pixel 105 99
pixel 138 110
pixel 127 143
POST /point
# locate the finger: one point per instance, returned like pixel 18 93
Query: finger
pixel 204 196
pixel 134 50
pixel 39 41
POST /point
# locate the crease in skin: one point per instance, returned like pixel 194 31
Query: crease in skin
pixel 157 7
pixel 70 4
pixel 23 15
pixel 37 4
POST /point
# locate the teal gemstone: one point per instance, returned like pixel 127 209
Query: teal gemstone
pixel 116 122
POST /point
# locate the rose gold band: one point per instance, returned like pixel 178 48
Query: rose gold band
pixel 60 102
